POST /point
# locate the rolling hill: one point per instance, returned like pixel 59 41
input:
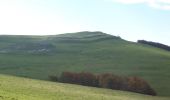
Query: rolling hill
pixel 40 56
pixel 14 88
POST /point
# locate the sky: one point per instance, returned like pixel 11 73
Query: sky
pixel 130 19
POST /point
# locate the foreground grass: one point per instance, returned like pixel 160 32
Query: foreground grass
pixel 13 88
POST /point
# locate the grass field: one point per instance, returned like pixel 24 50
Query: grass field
pixel 13 88
pixel 40 56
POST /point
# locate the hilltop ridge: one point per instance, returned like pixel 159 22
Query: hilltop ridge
pixel 82 37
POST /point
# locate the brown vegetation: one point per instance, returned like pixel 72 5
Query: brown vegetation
pixel 107 80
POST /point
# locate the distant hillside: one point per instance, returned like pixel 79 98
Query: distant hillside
pixel 40 56
pixel 13 88
pixel 46 44
pixel 155 44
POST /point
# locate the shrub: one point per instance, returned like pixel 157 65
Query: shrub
pixel 53 78
pixel 88 79
pixel 139 85
pixel 112 81
pixel 67 77
pixel 82 78
pixel 107 80
pixel 155 44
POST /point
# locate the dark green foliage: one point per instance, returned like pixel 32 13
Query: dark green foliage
pixel 83 78
pixel 155 44
pixel 67 77
pixel 53 78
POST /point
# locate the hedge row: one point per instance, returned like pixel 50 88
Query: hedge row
pixel 155 44
pixel 107 80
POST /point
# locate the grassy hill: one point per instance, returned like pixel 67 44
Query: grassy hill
pixel 40 56
pixel 13 88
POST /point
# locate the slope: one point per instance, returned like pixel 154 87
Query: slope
pixel 13 88
pixel 40 56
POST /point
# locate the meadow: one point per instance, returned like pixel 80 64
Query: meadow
pixel 37 57
pixel 14 88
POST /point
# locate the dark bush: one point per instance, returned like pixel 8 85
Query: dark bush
pixel 53 78
pixel 67 77
pixel 112 81
pixel 155 44
pixel 83 78
pixel 139 85
pixel 107 80
pixel 88 79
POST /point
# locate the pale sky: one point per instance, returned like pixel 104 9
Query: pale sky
pixel 130 19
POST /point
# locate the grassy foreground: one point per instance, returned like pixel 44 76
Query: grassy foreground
pixel 14 88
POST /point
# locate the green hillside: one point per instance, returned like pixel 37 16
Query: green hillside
pixel 40 56
pixel 13 88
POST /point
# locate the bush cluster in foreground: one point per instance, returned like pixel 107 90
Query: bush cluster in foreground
pixel 107 80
